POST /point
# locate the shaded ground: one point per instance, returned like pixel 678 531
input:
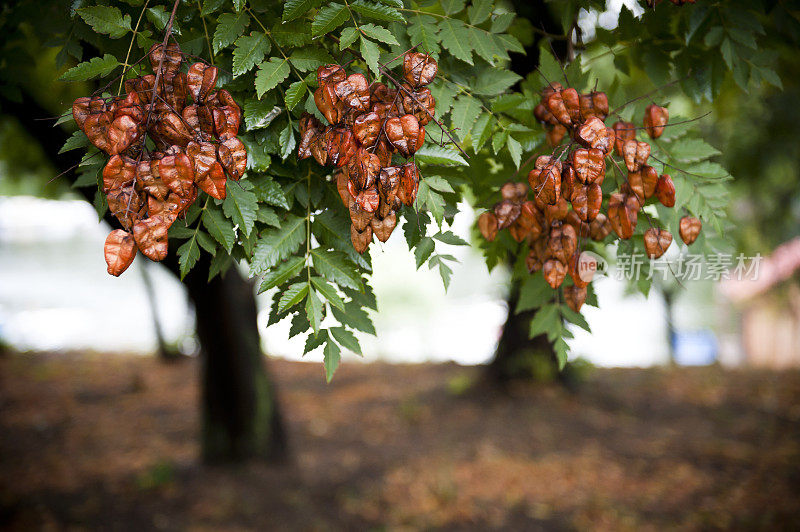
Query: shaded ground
pixel 110 441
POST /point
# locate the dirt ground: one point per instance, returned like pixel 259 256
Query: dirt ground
pixel 108 441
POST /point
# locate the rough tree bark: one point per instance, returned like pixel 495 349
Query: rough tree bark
pixel 241 418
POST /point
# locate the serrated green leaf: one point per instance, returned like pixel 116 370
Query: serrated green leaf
pixel 305 59
pixel 329 18
pixel 270 74
pixel 423 250
pixel 294 94
pixel 287 141
pixel 423 32
pixel 188 255
pixel 439 183
pixel 692 150
pixel 282 274
pixel 515 150
pixel 451 7
pixel 334 265
pixel 206 242
pixel 327 291
pixel 348 37
pixel 332 357
pixel 229 27
pixel 534 292
pixel 346 338
pixel 546 320
pixel 275 244
pixel 433 202
pixel 494 82
pixel 379 33
pixel 269 192
pixel 448 237
pixel 290 34
pixel 77 140
pixel 480 10
pixel 293 295
pixel 259 114
pixel 455 39
pixel 465 112
pixel 377 11
pixel 314 310
pixel 249 51
pixel 481 131
pixel 106 20
pixel 220 228
pixel 293 9
pixel 439 155
pixel 210 6
pixel 94 68
pixel 355 317
pixel 371 54
pixel 240 206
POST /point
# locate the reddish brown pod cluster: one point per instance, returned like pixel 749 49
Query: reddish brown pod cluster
pixel 368 124
pixel 563 110
pixel 195 142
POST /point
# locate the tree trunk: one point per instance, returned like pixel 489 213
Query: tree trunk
pixel 241 419
pixel 163 351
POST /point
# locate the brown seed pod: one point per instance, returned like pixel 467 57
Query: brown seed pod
pixel 200 80
pixel 623 212
pixel 405 134
pixel 690 229
pixel 419 103
pixel 177 172
pixel 575 296
pixel 555 104
pixel 419 69
pixel 623 131
pixel 488 226
pixel 361 239
pixel 389 183
pixel 635 154
pixel 635 185
pixel 594 134
pixel 506 212
pixel 589 165
pixel 328 103
pixel 126 204
pixel 364 169
pixel 655 118
pixel 556 134
pixel 543 114
pixel 514 191
pixel 172 129
pixel 172 92
pixel 530 220
pixel 382 227
pixel 545 180
pixel 341 186
pixel 84 106
pixel 556 212
pixel 151 237
pixel 232 154
pixel 409 183
pixel 367 127
pixel 130 106
pixel 656 242
pixel 119 251
pixel 562 243
pixel 330 74
pixel 172 58
pixel 358 216
pixel 665 191
pixel 572 102
pixel 353 92
pixel 119 172
pixel 208 173
pixel 533 262
pixel 600 228
pixel 649 180
pixel 581 228
pixel 568 180
pixel 554 272
pixel 368 199
pixel 341 146
pixel 148 178
pixel 573 268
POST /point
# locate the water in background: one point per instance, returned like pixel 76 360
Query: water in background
pixel 55 294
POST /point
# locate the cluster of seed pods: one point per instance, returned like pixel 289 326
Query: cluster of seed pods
pixel 567 203
pixel 367 125
pixel 194 147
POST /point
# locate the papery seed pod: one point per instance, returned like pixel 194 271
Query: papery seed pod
pixel 649 180
pixel 506 212
pixel 163 207
pixel 119 171
pixel 328 103
pixel 655 118
pixel 384 152
pixel 656 242
pixel 172 128
pixel 319 146
pixel 232 154
pixel 488 226
pixel 364 168
pixel 379 92
pixel 341 186
pixel 126 204
pixel 556 212
pixel 635 186
pixel 551 88
pixel 310 128
pixel 330 74
pixel 182 202
pixel 84 106
pixel 568 181
pixel 382 228
pixel 172 57
pixel 594 196
pixel 419 69
pixel 190 116
pixel 366 128
pixel 665 191
pixel 581 227
pixel 368 199
pixel 151 237
pixel 527 224
pixel 555 104
pixel 142 86
pixel 232 113
pixel 580 278
pixel 543 115
pixel 409 183
pixel 405 134
pixel 635 154
pixel 177 172
pixel 555 135
pixel 389 183
pixel 624 131
pixel 419 103
pixel 554 273
pixel 96 127
pixel 208 173
pixel 130 106
pixel 358 216
pixel 690 229
pixel 572 102
pixel 172 91
pixel 201 79
pixel 361 239
pixel 623 213
pixel 589 165
pixel 148 178
pixel 545 180
pixel 568 241
pixel 354 92
pixel 600 103
pixel 532 262
pixel 514 191
pixel 575 297
pixel 119 251
pixel 341 146
pixel 600 228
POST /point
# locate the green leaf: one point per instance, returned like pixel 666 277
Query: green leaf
pixel 229 27
pixel 269 192
pixel 377 11
pixel 448 237
pixel 423 250
pixel 270 74
pixel 210 6
pixel 276 244
pixel 534 292
pixel 494 82
pixel 480 10
pixel 481 131
pixel 371 54
pixel 286 141
pixel 249 51
pixel 439 183
pixel 423 32
pixel 562 352
pixel 95 67
pixel 313 342
pixel 355 317
pixel 379 33
pixel 259 114
pixel 220 228
pixel 327 291
pixel 240 206
pixel 297 8
pixel 515 150
pixel 431 201
pixel 314 310
pixel 206 242
pixel 348 37
pixel 159 16
pixel 188 255
pixel 305 59
pixel 329 18
pixel 465 112
pixel 575 317
pixel 77 140
pixel 692 149
pixel 292 296
pixel 332 357
pixel 456 39
pixel 106 20
pixel 441 155
pixel 452 7
pixel 294 94
pixel 282 274
pixel 346 338
pixel 290 34
pixel 545 321
pixel 333 265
